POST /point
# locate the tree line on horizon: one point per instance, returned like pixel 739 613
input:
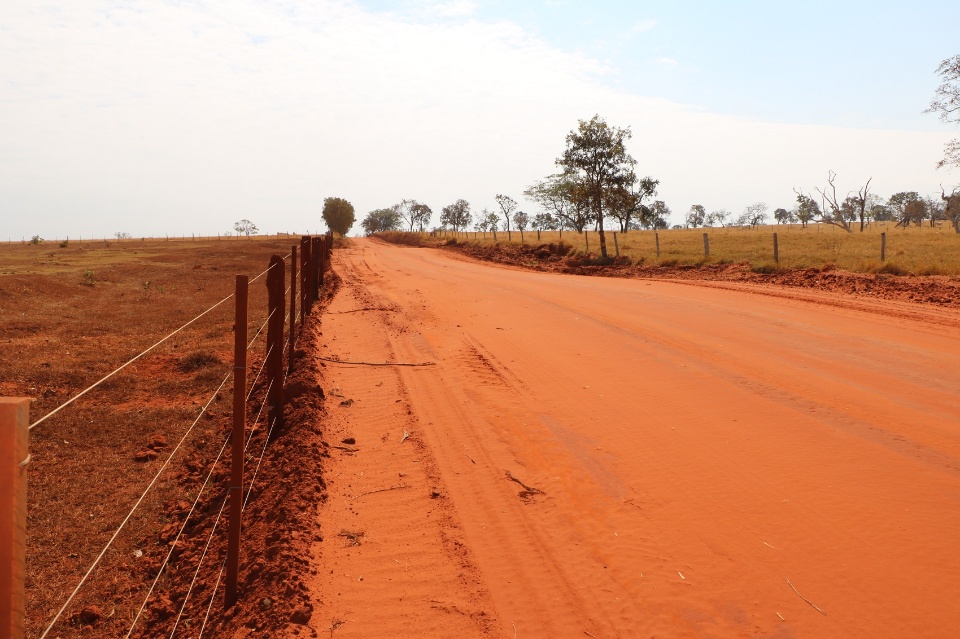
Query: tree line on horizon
pixel 597 182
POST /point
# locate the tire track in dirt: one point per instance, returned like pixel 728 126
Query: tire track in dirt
pixel 697 447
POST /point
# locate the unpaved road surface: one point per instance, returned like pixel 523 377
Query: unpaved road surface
pixel 690 461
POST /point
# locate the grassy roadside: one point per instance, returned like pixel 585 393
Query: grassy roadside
pixel 911 251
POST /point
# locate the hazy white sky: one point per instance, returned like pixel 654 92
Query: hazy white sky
pixel 184 116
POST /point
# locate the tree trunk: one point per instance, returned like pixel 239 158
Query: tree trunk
pixel 603 239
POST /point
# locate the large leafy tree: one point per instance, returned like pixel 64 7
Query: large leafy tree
pixel 380 220
pixel 558 195
pixel 697 216
pixel 624 203
pixel 906 205
pixel 597 159
pixel 456 215
pixel 338 214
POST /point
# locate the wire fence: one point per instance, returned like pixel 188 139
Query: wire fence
pixel 281 329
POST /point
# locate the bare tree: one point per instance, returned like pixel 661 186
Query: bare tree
pixel 836 216
pixel 507 206
pixel 946 103
pixel 245 227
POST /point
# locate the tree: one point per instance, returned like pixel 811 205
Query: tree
pixel 838 215
pixel 520 220
pixel 717 217
pixel 899 203
pixel 338 214
pixel 754 215
pixel 557 194
pixel 492 222
pixel 783 216
pixel 697 216
pixel 245 227
pixel 380 220
pixel 544 222
pixel 414 214
pixel 456 215
pixel 655 216
pixel 507 206
pixel 597 159
pixel 807 208
pixel 914 211
pixel 946 103
pixel 623 203
pixel 951 207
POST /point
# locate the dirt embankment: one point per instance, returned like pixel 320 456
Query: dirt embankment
pixel 936 290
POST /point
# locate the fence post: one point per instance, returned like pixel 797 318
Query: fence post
pixel 316 252
pixel 274 363
pixel 883 246
pixel 776 249
pixel 14 457
pixel 304 278
pixel 706 245
pixel 237 439
pixel 586 241
pixel 293 304
pixel 615 244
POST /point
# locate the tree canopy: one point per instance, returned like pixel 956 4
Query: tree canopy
pixel 380 220
pixel 338 214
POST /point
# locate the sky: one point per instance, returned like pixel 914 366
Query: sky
pixel 184 116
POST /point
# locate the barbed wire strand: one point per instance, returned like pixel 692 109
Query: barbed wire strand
pixel 143 496
pixel 260 330
pixel 213 596
pixel 109 375
pixel 176 540
pixel 263 365
pixel 196 573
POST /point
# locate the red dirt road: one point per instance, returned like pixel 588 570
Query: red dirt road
pixel 696 448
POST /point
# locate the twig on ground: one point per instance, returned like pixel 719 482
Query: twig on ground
pixel 805 599
pixel 353 538
pixel 528 491
pixel 588 634
pixel 343 361
pixel 383 490
pixel 349 449
pixel 334 625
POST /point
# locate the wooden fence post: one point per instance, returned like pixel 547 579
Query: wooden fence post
pixel 237 439
pixel 304 278
pixel 656 236
pixel 883 246
pixel 317 253
pixel 293 304
pixel 706 245
pixel 14 457
pixel 776 249
pixel 616 245
pixel 274 363
pixel 586 241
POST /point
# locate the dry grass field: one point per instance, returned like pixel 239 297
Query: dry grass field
pixel 68 316
pixel 911 251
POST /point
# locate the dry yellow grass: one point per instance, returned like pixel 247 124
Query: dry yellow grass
pixel 916 251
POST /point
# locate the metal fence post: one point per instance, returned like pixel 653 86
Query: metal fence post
pixel 14 457
pixel 237 439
